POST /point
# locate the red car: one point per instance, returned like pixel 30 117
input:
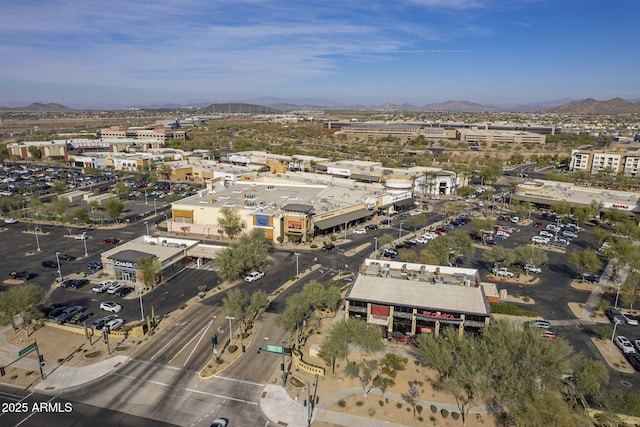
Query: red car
pixel 111 241
pixel 537 225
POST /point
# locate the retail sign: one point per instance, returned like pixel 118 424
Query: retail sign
pixel 125 264
pixel 436 315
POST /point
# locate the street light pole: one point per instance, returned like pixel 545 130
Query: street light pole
pixel 230 331
pixel 58 261
pixel 345 231
pixel 146 223
pixel 155 207
pixel 400 232
pixel 24 213
pixel 141 307
pixel 617 295
pixel 86 254
pixel 615 326
pixel 375 243
pixel 297 258
pixel 37 241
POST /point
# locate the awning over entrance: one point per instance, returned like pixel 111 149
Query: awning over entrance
pixel 341 219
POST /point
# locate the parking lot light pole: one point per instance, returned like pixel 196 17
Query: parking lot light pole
pixel 400 232
pixel 155 207
pixel 141 307
pixel 375 244
pixel 617 295
pixel 58 260
pixel 84 241
pixel 230 331
pixel 613 335
pixel 146 223
pixel 37 241
pixel 297 258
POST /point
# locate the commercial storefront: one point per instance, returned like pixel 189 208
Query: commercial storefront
pixel 426 301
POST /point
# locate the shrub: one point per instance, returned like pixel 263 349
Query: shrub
pixel 511 309
pixel 419 409
pixel 232 348
pixel 342 403
pixel 313 246
pixel 359 403
pixel 381 403
pixel 433 408
pixel 372 412
pixel 432 419
pixel 292 278
pixel 399 405
pixel 455 416
pixel 444 413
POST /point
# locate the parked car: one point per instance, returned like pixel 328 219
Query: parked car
pixel 629 319
pixel 115 324
pixel 537 225
pixel 614 316
pixel 66 257
pixel 253 276
pixel 111 306
pixel 80 317
pixel 422 240
pixel 328 247
pixel 69 312
pixel 539 323
pixel 385 222
pixel 102 286
pixel 634 359
pixel 125 290
pixel 515 219
pixel 114 287
pixel 82 236
pixel 359 231
pixel 49 263
pixel 532 268
pixel 540 240
pixel 503 272
pixel 94 265
pixel 548 234
pixel 372 227
pixel 624 344
pixel 502 234
pixel 100 322
pixel 56 312
pixel 390 253
pixel 591 277
pixel 10 220
pixel 568 233
pixel 110 241
pixel 22 274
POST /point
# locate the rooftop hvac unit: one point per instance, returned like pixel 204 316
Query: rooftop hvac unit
pixel 467 283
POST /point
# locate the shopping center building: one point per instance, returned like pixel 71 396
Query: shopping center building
pixel 408 299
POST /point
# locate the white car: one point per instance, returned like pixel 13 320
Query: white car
pixel 423 240
pixel 553 228
pixel 113 288
pixel 111 306
pixel 548 234
pixel 114 324
pixel 430 235
pixel 532 268
pixel 10 221
pixel 359 231
pixel 540 239
pixel 253 276
pixel 629 319
pixel 82 236
pixel 571 234
pixel 515 219
pixel 624 344
pixel 503 272
pixel 102 286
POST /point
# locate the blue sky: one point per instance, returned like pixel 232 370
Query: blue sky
pixel 129 53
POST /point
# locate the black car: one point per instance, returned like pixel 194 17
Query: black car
pixel 403 245
pixel 69 312
pixel 94 265
pixel 328 247
pixel 123 291
pixel 80 317
pixel 385 222
pixel 100 322
pixel 634 360
pixel 371 227
pixel 26 275
pixel 590 277
pixel 66 257
pixel 56 312
pixel 49 263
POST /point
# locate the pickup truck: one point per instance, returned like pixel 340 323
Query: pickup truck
pixel 253 276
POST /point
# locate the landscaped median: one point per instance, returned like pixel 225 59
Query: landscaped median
pixel 521 280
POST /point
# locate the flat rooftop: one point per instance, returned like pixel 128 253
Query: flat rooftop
pixel 410 293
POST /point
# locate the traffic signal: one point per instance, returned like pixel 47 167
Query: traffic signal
pixel 2 371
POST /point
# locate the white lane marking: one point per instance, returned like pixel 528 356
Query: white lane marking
pixel 187 389
pixel 36 412
pixel 168 344
pixel 204 330
pixel 240 381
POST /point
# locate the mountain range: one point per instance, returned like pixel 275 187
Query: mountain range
pixel 273 105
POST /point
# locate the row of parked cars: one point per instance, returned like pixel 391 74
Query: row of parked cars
pixel 557 235
pixel 77 314
pixel 112 287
